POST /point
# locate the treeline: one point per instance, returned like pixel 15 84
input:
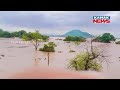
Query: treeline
pixel 74 38
pixel 20 34
pixel 7 34
pixel 34 35
pixel 105 38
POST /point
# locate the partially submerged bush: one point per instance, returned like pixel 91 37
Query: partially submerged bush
pixel 45 38
pixel 83 61
pixel 48 47
pixel 105 38
pixel 52 44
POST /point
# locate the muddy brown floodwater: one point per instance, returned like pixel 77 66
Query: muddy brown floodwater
pixel 18 56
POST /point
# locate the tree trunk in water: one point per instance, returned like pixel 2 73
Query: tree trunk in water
pixel 36 57
pixel 86 65
pixel 48 58
pixel 36 45
pixel 35 48
pixel 76 66
pixel 87 62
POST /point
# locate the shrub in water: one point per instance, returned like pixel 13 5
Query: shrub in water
pixel 82 61
pixel 48 47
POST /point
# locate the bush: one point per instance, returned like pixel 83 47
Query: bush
pixel 52 44
pixel 45 38
pixel 48 47
pixel 118 42
pixel 75 38
pixel 105 38
pixel 79 63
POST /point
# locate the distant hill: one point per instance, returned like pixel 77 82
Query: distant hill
pixel 77 32
pixel 74 32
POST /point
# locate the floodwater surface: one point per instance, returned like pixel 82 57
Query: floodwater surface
pixel 16 57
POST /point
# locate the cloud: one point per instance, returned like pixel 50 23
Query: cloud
pixel 58 22
pixel 114 15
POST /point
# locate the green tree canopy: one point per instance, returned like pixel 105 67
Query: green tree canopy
pixel 107 37
pixel 20 33
pixel 48 47
pixel 35 37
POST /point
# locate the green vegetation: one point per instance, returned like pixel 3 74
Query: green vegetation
pixel 90 60
pixel 44 38
pixel 7 34
pixel 48 47
pixel 35 37
pixel 105 38
pixel 22 34
pixel 75 38
pixel 52 44
pixel 85 61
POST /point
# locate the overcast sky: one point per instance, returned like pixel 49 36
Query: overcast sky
pixel 59 22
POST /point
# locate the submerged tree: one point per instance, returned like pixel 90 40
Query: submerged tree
pixel 105 38
pixel 84 62
pixel 90 60
pixel 48 48
pixel 35 38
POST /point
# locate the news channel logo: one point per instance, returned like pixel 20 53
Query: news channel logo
pixel 101 19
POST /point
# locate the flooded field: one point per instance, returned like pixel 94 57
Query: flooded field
pixel 16 57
